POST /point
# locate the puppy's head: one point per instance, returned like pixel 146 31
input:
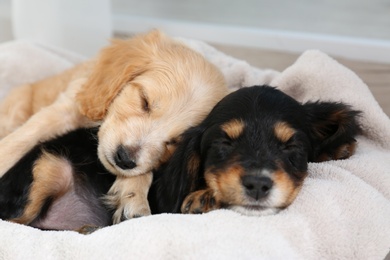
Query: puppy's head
pixel 146 91
pixel 254 147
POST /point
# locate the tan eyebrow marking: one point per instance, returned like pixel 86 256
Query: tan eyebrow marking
pixel 233 128
pixel 283 131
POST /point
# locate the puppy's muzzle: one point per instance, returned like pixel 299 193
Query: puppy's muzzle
pixel 257 187
pixel 125 157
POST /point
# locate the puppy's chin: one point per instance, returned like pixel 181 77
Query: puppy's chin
pixel 276 200
pixel 250 210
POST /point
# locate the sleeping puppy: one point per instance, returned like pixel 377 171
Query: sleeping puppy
pixel 142 92
pixel 58 185
pixel 251 153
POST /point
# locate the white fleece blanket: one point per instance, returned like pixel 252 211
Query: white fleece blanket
pixel 342 212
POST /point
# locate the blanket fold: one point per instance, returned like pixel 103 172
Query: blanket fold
pixel 342 212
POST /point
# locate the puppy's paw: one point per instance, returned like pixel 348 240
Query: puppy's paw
pixel 201 201
pixel 87 229
pixel 128 197
pixel 344 151
pixel 131 206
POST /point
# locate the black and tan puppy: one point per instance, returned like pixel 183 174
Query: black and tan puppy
pixel 58 185
pixel 251 153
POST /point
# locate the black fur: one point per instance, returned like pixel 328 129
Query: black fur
pixel 80 148
pixel 321 128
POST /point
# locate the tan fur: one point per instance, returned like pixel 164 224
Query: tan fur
pixel 169 150
pixel 129 196
pixel 26 100
pixel 233 128
pixel 52 177
pixel 225 187
pixel 283 131
pixel 180 88
pixel 227 184
pixel 342 152
pixel 59 118
pixel 345 151
pixel 15 109
pixel 286 188
pixel 201 201
pixel 193 168
pixel 144 92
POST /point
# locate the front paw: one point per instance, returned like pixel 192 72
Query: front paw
pixel 201 201
pixel 131 206
pixel 128 197
pixel 127 206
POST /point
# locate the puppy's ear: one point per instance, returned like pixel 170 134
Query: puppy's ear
pixel 180 174
pixel 333 128
pixel 116 65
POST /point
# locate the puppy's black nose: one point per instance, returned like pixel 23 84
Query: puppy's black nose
pixel 124 158
pixel 257 187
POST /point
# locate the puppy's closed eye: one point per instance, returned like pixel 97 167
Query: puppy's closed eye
pixel 145 104
pixel 289 146
pixel 221 148
pixel 226 142
pixel 294 151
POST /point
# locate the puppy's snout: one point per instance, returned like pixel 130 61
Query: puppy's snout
pixel 125 158
pixel 257 187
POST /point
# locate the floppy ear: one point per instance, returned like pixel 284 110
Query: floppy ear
pixel 174 180
pixel 116 65
pixel 333 128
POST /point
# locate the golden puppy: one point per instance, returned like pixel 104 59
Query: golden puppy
pixel 143 92
pixel 24 101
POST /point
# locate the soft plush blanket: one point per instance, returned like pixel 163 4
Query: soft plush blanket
pixel 342 212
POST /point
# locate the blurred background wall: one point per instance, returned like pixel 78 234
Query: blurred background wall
pixel 355 29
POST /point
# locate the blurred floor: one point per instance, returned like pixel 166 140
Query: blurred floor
pixel 375 75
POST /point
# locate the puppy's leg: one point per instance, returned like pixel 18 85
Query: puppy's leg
pixel 129 197
pixel 59 118
pixel 200 201
pixel 52 177
pixel 24 101
pixel 15 109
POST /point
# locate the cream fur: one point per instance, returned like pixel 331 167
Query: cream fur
pixel 178 84
pixel 180 88
pixel 25 101
pixel 342 211
pixel 56 119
